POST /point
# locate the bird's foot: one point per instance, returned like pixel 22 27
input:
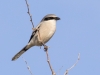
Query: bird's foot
pixel 45 48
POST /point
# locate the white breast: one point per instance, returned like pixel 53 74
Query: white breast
pixel 47 30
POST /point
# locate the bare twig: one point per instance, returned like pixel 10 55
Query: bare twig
pixel 29 13
pixel 48 60
pixel 27 66
pixel 66 72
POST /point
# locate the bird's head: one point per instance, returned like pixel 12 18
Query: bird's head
pixel 50 17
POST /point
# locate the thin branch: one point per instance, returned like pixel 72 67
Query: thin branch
pixel 66 72
pixel 27 66
pixel 48 60
pixel 29 13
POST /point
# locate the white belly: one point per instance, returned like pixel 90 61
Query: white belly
pixel 47 30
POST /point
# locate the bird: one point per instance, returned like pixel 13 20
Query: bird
pixel 42 33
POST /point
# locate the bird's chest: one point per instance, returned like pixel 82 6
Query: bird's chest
pixel 47 30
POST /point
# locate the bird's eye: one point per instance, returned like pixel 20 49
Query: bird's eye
pixel 46 19
pixel 51 18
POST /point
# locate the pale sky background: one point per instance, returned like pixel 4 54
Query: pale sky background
pixel 77 31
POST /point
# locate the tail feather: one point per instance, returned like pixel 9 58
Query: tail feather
pixel 20 53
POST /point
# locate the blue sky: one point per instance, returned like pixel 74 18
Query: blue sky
pixel 78 31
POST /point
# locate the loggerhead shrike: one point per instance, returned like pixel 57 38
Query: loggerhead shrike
pixel 42 33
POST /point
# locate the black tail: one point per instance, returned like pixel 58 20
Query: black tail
pixel 20 53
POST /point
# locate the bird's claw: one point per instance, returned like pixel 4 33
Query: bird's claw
pixel 45 48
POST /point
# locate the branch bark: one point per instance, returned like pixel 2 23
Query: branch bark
pixel 48 60
pixel 29 13
pixel 66 72
pixel 28 67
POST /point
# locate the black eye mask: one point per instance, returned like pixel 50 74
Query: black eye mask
pixel 51 18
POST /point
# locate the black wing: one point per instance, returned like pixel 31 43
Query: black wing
pixel 33 33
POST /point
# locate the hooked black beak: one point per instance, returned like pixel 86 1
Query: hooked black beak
pixel 57 18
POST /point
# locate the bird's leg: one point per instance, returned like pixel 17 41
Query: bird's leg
pixel 45 47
